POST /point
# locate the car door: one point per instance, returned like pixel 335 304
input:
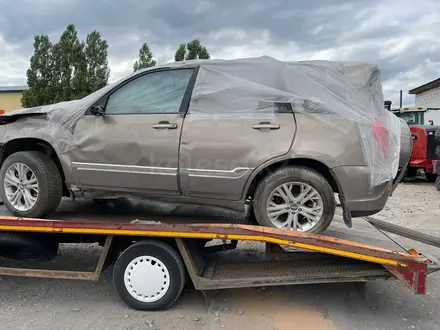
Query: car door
pixel 219 153
pixel 134 145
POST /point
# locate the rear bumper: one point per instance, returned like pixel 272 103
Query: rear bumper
pixel 426 164
pixel 360 199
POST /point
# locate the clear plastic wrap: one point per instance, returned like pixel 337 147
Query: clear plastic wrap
pixel 52 122
pixel 331 91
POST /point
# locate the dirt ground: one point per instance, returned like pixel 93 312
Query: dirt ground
pixel 56 304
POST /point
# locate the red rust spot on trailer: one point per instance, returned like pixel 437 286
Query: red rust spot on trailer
pixel 414 276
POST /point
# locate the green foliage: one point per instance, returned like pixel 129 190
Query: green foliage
pixel 180 53
pixel 39 75
pixel 145 58
pixel 72 69
pixel 191 51
pixel 203 54
pixel 68 57
pixel 96 52
pixel 67 70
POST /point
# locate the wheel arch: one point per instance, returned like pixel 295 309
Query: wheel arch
pixel 33 144
pixel 316 165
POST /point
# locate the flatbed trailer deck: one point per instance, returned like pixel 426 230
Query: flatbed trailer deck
pixel 153 259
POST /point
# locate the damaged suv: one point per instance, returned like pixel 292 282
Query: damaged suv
pixel 283 136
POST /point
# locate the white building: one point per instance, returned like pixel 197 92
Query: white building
pixel 428 96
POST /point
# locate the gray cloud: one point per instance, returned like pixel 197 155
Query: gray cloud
pixel 397 35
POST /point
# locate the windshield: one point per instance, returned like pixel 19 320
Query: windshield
pixel 412 118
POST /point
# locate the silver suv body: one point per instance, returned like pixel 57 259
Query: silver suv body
pixel 148 136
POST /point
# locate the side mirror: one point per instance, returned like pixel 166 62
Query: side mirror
pixel 97 110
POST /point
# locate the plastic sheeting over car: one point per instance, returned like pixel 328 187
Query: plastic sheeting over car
pixel 334 91
pixel 258 87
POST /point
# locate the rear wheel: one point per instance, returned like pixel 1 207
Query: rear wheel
pixel 30 184
pixel 295 198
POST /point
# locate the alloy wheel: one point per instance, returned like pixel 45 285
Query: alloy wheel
pixel 294 206
pixel 21 186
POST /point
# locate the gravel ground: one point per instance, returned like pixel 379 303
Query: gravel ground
pixel 56 304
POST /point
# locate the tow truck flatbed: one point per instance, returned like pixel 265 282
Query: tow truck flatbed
pixel 358 254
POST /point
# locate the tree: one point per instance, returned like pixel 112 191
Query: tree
pixel 96 52
pixel 39 75
pixel 203 54
pixel 145 58
pixel 191 51
pixel 69 65
pixel 180 53
pixel 67 70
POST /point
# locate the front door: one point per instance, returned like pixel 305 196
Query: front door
pixel 134 147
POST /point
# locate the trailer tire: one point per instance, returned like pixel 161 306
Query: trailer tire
pixel 27 246
pixel 149 275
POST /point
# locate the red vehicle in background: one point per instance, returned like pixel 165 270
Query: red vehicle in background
pixel 425 153
pixel 426 141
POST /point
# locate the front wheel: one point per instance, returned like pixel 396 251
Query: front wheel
pixel 295 198
pixel 30 184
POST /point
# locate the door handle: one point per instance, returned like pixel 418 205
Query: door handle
pixel 266 126
pixel 164 125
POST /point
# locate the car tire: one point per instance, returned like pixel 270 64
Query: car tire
pixel 157 261
pixel 437 183
pixel 49 183
pixel 304 177
pixel 437 167
pixel 437 134
pixel 28 246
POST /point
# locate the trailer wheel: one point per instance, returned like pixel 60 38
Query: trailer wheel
pixel 149 275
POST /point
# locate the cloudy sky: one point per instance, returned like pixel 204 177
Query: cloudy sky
pixel 402 36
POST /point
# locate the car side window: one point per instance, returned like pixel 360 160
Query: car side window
pixel 156 92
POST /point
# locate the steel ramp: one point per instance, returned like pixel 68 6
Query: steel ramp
pixel 325 269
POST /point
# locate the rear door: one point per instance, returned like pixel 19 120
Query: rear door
pixel 218 154
pixel 134 147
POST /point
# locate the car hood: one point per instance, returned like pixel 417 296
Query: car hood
pixel 54 126
pixel 65 106
pixel 57 113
